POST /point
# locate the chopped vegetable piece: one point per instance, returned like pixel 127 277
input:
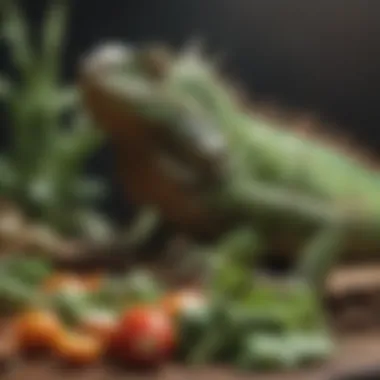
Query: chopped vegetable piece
pixel 145 336
pixel 27 270
pixel 37 329
pixel 193 325
pixel 70 303
pixel 15 295
pixel 142 287
pixel 290 351
pixel 99 323
pixel 175 303
pixel 93 281
pixel 310 347
pixel 60 281
pixel 266 352
pixel 78 348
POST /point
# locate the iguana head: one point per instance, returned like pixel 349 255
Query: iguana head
pixel 150 93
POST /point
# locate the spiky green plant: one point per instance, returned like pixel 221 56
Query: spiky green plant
pixel 43 168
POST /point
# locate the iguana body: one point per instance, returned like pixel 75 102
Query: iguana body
pixel 185 146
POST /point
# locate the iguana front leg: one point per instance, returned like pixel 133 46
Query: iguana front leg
pixel 231 261
pixel 320 254
pixel 263 204
pixel 259 205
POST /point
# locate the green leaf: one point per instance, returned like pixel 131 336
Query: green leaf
pixel 143 286
pixel 29 271
pixel 94 225
pixel 266 352
pixel 65 158
pixel 53 37
pixel 86 190
pixel 310 348
pixel 71 149
pixel 270 352
pixel 142 227
pixel 16 32
pixel 120 291
pixel 232 273
pixel 8 176
pixel 273 318
pixel 67 98
pixel 193 324
pixel 70 304
pixel 42 192
pixel 5 87
pixel 14 294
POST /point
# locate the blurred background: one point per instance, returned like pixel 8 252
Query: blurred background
pixel 319 55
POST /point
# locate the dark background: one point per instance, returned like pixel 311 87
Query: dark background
pixel 323 55
pixel 320 54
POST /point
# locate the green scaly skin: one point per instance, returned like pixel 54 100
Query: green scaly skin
pixel 265 180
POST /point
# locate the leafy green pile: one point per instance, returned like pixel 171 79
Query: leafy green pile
pixel 51 138
pixel 254 323
pixel 268 328
pixel 21 280
pixel 272 330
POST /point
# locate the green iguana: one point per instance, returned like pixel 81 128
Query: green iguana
pixel 187 147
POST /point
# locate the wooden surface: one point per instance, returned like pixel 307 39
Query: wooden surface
pixel 358 278
pixel 354 353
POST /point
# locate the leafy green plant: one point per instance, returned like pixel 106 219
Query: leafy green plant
pixel 51 138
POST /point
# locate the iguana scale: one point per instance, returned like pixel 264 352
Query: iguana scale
pixel 186 146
